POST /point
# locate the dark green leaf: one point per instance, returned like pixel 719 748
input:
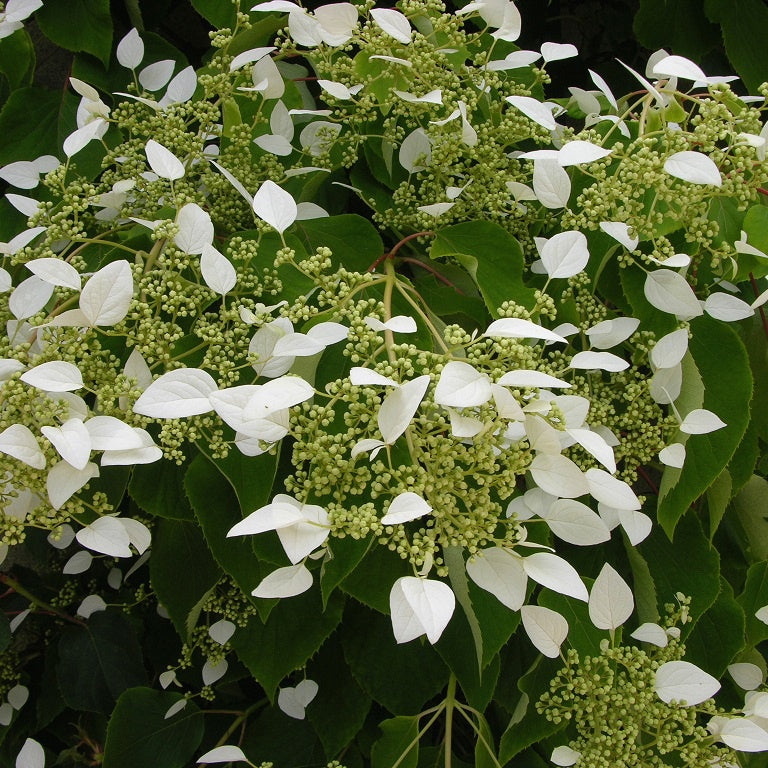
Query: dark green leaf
pixel 78 25
pixel 281 740
pixel 399 677
pixel 158 489
pixel 217 510
pixel 31 116
pixel 345 554
pixel 17 59
pixel 744 459
pixel 218 13
pixel 527 727
pixel 485 749
pixel 727 390
pixel 718 496
pixel 372 580
pixel 182 570
pixel 742 24
pixel 689 564
pixel 399 744
pixel 492 256
pixel 718 635
pixel 456 648
pixel 294 631
pixel 250 476
pixel 752 599
pixel 685 30
pixel 98 661
pixel 354 240
pixel 340 708
pixel 139 736
pixel 750 507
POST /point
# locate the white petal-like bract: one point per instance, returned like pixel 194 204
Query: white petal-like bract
pixel 684 682
pixel 195 229
pixel 177 394
pixel 285 582
pixel 694 167
pixel 106 297
pixel 546 628
pixel 420 607
pixel 610 602
pixel 668 291
pixel 393 23
pixel 163 162
pixel 405 507
pixel 275 206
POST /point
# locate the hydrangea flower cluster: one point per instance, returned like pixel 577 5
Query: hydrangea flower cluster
pixel 192 297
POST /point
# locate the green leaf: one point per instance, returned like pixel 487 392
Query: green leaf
pixel 752 599
pixel 718 496
pixel 526 726
pixel 181 569
pixel 159 490
pixel 294 631
pixel 78 25
pixel 718 636
pixel 685 29
pixel 372 580
pixel 282 740
pixel 345 554
pixel 399 677
pixel 457 573
pixel 742 25
pixel 139 736
pixel 30 115
pixel 747 453
pixel 217 509
pixel 485 749
pixel 98 661
pixel 456 648
pixel 750 506
pixel 17 59
pixel 340 708
pixel 354 241
pixel 492 257
pixel 643 587
pixel 251 477
pixel 218 13
pixel 398 745
pixel 727 390
pixel 688 564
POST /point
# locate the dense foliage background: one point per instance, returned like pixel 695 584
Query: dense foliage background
pixel 412 644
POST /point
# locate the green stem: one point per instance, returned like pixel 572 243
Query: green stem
pixel 389 338
pixel 36 601
pixel 418 736
pixel 238 721
pixel 450 705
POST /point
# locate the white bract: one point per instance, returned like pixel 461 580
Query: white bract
pixel 420 607
pixel 294 701
pixel 684 682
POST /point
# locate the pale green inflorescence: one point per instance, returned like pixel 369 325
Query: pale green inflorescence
pixel 611 704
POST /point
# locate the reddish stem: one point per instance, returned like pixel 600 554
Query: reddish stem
pixel 442 278
pixel 396 248
pixel 641 471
